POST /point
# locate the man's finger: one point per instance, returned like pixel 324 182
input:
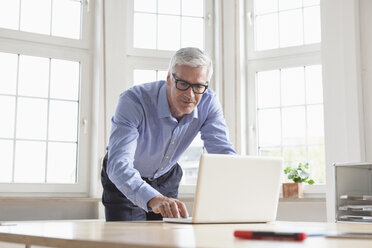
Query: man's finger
pixel 182 209
pixel 163 211
pixel 174 209
pixel 167 210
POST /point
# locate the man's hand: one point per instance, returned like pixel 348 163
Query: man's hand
pixel 168 207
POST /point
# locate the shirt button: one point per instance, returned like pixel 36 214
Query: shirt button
pixel 172 142
pixel 166 157
pixel 161 168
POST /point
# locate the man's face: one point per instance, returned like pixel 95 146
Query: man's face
pixel 184 102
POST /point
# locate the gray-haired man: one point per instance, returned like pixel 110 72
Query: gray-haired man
pixel 153 125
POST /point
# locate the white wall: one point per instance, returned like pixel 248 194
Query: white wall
pixel 346 59
pixel 365 10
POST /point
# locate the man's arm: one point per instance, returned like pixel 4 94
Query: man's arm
pixel 214 131
pixel 122 147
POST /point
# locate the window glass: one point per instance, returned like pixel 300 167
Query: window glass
pixel 42 106
pixel 168 24
pixel 50 17
pixel 291 125
pixel 61 161
pixel 29 162
pixel 64 79
pixel 33 76
pixel 7 113
pixel 36 16
pixel 66 21
pixel 6 165
pixel 63 120
pixel 31 118
pixel 144 32
pixel 8 75
pixel 286 23
pixel 9 14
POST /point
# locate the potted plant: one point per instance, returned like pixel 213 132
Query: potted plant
pixel 298 176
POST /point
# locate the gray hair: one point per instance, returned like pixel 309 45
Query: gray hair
pixel 191 56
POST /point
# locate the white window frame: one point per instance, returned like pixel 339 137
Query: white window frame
pixel 139 52
pixel 33 44
pixel 269 60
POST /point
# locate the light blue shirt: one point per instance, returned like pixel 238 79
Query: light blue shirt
pixel 146 140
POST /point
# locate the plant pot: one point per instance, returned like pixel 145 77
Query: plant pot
pixel 293 190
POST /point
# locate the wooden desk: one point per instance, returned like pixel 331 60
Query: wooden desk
pixel 157 234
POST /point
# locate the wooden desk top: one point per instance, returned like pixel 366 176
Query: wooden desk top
pixel 98 233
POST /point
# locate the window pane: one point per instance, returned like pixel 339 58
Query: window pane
pixel 317 163
pixel 267 32
pixel 294 155
pixel 64 79
pixel 33 76
pixel 143 76
pixel 293 86
pixel 145 5
pixel 311 2
pixel 8 75
pixel 312 25
pixel 294 126
pixel 31 118
pixel 66 19
pixel 169 7
pixel 192 32
pixel 289 4
pixel 314 86
pixel 291 28
pixel 144 31
pixel 265 6
pixel 61 163
pixel 168 32
pixel 35 16
pixel 315 124
pixel 193 8
pixel 268 89
pixel 190 161
pixel 269 131
pixel 7 113
pixel 29 162
pixel 162 75
pixel 63 120
pixel 9 14
pixel 6 165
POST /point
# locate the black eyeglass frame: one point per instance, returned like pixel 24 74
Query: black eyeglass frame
pixel 189 85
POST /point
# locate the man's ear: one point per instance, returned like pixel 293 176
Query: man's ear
pixel 168 78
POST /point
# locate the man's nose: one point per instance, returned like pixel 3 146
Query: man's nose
pixel 190 92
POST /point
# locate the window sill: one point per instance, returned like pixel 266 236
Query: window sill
pixel 305 199
pixel 313 193
pixel 49 199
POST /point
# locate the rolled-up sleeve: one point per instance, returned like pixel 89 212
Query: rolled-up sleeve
pixel 121 151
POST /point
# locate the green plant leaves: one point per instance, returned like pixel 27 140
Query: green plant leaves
pixel 299 174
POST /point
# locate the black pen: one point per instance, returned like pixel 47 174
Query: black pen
pixel 262 235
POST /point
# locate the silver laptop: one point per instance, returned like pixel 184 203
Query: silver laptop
pixel 235 189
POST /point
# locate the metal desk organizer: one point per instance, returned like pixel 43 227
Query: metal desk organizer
pixel 353 192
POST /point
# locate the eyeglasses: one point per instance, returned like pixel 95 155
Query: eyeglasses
pixel 184 85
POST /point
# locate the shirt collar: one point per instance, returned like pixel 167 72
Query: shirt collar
pixel 163 106
pixel 164 110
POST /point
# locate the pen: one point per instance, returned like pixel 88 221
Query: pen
pixel 261 235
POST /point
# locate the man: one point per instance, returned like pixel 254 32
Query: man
pixel 153 125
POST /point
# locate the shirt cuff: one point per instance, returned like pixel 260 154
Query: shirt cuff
pixel 144 195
